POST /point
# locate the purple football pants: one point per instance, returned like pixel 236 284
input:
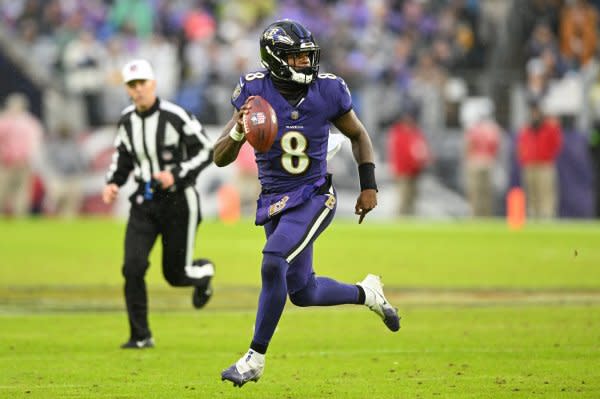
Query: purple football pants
pixel 287 266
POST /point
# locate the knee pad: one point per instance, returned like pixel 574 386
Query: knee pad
pixel 273 266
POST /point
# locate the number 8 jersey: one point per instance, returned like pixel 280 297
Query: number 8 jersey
pixel 299 154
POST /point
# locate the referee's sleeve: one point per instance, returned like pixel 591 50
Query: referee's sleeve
pixel 199 150
pixel 122 161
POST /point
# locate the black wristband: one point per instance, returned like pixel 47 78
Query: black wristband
pixel 366 175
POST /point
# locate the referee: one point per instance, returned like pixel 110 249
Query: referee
pixel 166 148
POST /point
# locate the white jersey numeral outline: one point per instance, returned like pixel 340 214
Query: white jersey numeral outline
pixel 294 159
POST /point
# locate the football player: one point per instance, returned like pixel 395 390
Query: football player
pixel 298 200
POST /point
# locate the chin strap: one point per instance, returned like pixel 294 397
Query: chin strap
pixel 299 77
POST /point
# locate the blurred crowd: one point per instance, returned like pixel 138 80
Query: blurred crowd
pixel 424 75
pixel 199 48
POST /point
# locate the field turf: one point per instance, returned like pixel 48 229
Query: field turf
pixel 487 313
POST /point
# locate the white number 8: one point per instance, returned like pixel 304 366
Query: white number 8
pixel 254 75
pixel 327 76
pixel 294 160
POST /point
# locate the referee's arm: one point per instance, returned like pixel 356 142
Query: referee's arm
pixel 122 161
pixel 120 167
pixel 199 152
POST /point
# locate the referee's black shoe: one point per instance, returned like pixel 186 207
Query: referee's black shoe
pixel 203 292
pixel 201 295
pixel 138 344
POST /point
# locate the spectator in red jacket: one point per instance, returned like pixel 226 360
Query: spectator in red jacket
pixel 482 142
pixel 408 156
pixel 539 144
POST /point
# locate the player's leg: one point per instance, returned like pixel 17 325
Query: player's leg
pixel 250 366
pixel 304 288
pixel 270 307
pixel 307 289
pixel 179 221
pixel 140 236
pixel 295 231
pixel 287 236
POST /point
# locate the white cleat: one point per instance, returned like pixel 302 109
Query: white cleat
pixel 375 300
pixel 250 367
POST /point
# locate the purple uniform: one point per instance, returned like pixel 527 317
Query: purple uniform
pixel 298 200
pixel 299 153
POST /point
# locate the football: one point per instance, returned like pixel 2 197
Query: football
pixel 260 124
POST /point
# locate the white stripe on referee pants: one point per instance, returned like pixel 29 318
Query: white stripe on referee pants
pixel 192 271
pixel 192 203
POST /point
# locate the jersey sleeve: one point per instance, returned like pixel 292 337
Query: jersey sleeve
pixel 341 99
pixel 240 93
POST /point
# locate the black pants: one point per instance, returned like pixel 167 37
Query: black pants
pixel 175 217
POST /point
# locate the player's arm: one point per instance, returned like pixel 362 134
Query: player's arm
pixel 231 140
pixel 351 127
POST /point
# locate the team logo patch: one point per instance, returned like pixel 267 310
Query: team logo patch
pixel 330 201
pixel 295 115
pixel 258 118
pixel 236 92
pixel 278 206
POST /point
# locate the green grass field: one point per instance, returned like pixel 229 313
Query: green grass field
pixel 487 313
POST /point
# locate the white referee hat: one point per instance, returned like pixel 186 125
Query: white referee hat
pixel 137 70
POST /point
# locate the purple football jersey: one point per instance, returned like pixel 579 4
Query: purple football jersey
pixel 299 153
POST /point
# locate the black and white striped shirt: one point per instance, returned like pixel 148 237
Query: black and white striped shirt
pixel 164 137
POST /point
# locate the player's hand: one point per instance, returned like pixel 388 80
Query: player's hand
pixel 109 193
pixel 165 178
pixel 240 115
pixel 367 200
